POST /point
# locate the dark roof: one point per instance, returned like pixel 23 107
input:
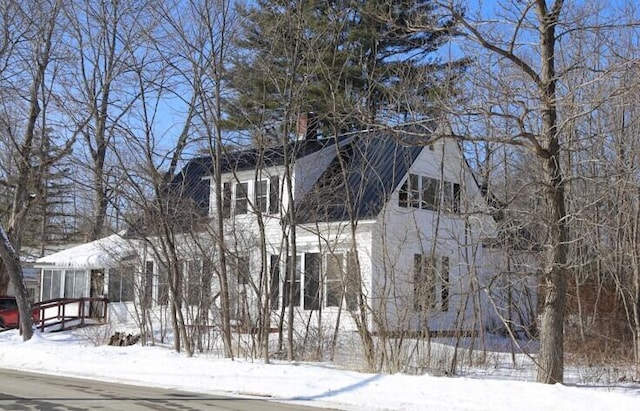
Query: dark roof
pixel 360 180
pixel 249 158
pixel 189 183
pixel 374 165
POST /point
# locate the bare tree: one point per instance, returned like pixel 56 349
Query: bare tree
pixel 38 25
pixel 105 37
pixel 516 88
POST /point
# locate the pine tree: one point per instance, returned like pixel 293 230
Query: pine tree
pixel 348 61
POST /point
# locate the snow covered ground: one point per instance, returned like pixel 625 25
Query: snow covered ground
pixel 72 353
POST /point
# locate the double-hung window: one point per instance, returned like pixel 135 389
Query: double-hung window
pixel 410 192
pixel 424 282
pixel 342 281
pixel 163 283
pixel 428 274
pixel 451 197
pixel 429 193
pixel 274 280
pixel 261 196
pixel 226 200
pixel 242 198
pixel 334 277
pixel 121 284
pixel 274 195
pixel 312 281
pixel 291 289
pixel 267 195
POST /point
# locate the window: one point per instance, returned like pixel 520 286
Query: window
pixel 456 198
pixel 430 193
pixel 444 286
pixel 414 191
pixel 264 196
pixel 242 270
pixel 451 197
pixel 427 193
pixel 353 282
pixel 64 283
pixel 243 279
pixel 334 280
pixel 274 195
pixel 274 272
pixel 196 281
pixel 147 285
pixel 410 192
pixel 242 190
pixel 261 196
pixel 312 281
pixel 205 280
pixel 334 288
pixel 226 200
pixel 75 283
pixel 163 285
pixel 424 279
pixel 120 284
pixel 51 280
pixel 291 289
pixel 403 196
pixel 192 286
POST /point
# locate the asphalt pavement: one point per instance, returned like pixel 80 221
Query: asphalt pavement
pixel 31 391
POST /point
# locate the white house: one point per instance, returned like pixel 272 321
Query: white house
pixel 382 220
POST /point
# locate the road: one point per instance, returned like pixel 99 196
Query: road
pixel 29 391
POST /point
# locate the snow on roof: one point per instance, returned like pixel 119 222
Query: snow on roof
pixel 103 253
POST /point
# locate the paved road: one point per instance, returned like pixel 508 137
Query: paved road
pixel 28 391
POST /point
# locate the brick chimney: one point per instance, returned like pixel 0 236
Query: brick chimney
pixel 307 126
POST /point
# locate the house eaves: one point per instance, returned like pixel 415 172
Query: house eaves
pixel 106 252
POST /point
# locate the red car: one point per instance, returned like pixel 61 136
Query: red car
pixel 9 312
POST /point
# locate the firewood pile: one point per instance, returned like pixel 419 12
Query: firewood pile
pixel 123 339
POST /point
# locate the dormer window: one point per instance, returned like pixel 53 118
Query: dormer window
pixel 274 195
pixel 261 196
pixel 226 200
pixel 242 198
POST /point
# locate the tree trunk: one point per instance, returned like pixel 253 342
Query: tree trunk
pixel 12 263
pixel 225 304
pixel 551 355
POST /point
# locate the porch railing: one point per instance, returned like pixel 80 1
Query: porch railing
pixel 70 312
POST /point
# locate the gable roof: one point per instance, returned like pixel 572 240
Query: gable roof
pixel 356 184
pixel 359 180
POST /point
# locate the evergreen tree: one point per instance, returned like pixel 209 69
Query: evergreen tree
pixel 354 63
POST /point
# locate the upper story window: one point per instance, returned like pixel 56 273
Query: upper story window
pixel 274 195
pixel 226 200
pixel 429 194
pixel 260 196
pixel 242 198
